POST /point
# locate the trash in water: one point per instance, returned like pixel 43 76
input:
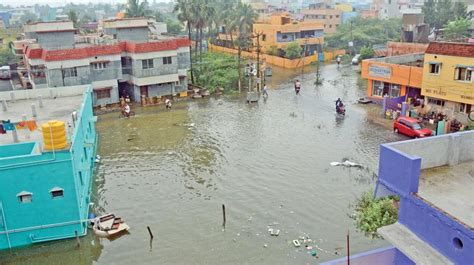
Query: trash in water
pixel 313 253
pixel 296 243
pixel 265 245
pixel 275 232
pixel 309 247
pixel 346 163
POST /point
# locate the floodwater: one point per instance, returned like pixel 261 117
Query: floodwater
pixel 269 163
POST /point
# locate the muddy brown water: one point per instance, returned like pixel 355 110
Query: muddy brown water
pixel 269 163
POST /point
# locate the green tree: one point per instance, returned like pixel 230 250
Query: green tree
pixel 243 20
pixel 429 12
pixel 365 32
pixel 272 50
pixel 137 9
pixel 72 15
pixel 174 27
pixel 6 56
pixel 444 12
pixel 185 15
pixel 293 50
pixel 460 10
pixel 367 52
pixel 458 29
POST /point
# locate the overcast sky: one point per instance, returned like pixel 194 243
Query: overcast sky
pixel 60 3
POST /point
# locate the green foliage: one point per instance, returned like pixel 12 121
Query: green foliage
pixel 460 10
pixel 6 56
pixel 174 27
pixel 137 9
pixel 366 52
pixel 272 50
pixel 73 17
pixel 372 214
pixel 365 32
pixel 217 70
pixel 293 50
pixel 457 29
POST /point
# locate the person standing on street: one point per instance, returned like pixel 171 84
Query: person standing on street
pixel 297 87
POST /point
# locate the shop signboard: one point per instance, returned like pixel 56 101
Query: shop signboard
pixel 380 71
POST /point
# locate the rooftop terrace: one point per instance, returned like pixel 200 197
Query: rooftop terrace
pixel 407 59
pixel 451 189
pixel 55 108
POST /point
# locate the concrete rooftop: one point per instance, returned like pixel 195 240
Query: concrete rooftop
pixel 450 189
pixel 59 108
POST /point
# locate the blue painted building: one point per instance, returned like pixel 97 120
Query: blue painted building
pixel 45 195
pixel 434 179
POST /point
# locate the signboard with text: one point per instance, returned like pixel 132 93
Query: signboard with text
pixel 380 71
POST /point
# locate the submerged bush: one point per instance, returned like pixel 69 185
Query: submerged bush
pixel 372 214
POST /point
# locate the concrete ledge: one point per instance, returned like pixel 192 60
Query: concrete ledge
pixel 411 245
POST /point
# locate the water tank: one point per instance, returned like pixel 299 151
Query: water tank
pixel 54 135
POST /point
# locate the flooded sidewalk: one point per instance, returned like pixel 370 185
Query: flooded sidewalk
pixel 269 163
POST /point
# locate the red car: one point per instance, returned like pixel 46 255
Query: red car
pixel 410 127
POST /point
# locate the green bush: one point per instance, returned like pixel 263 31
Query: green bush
pixel 372 214
pixel 293 50
pixel 216 70
pixel 272 50
pixel 367 52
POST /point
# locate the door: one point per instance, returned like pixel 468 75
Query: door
pixel 144 91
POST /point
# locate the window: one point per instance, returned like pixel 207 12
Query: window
pixel 435 101
pixel 434 68
pixel 69 72
pixel 99 66
pixel 377 88
pixel 394 90
pixel 337 16
pixel 264 37
pixel 330 26
pixel 465 108
pixel 25 197
pixel 330 16
pixel 56 193
pixel 102 93
pixel 167 60
pixel 147 64
pixel 464 74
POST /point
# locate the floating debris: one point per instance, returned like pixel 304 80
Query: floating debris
pixel 346 163
pixel 296 243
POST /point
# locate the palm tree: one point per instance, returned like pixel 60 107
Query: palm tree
pixel 137 9
pixel 224 16
pixel 204 16
pixel 185 15
pixel 243 21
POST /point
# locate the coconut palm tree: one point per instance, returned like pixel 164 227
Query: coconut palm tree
pixel 185 15
pixel 243 21
pixel 137 9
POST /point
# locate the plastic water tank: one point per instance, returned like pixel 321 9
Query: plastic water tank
pixel 54 135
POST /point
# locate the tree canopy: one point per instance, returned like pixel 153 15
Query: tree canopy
pixel 293 50
pixel 135 8
pixel 365 32
pixel 457 29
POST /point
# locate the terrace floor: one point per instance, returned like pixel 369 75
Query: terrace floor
pixel 450 189
pixel 59 108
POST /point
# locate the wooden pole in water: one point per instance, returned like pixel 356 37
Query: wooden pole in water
pixel 149 232
pixel 77 239
pixel 348 251
pixel 223 215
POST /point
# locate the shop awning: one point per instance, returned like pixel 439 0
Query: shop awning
pixel 465 66
pixel 434 62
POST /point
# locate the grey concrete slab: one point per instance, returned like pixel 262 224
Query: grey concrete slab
pixel 60 108
pixel 450 189
pixel 5 85
pixel 412 246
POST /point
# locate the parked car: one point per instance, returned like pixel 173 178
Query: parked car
pixel 356 59
pixel 410 127
pixel 5 72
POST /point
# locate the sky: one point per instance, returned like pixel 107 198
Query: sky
pixel 60 3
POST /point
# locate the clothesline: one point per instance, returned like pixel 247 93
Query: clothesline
pixel 7 125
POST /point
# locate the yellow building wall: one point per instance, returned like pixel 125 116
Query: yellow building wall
pixel 344 7
pixel 443 85
pixel 270 31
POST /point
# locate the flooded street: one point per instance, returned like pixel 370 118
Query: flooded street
pixel 269 163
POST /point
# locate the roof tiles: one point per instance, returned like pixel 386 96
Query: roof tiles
pixel 451 49
pixel 87 52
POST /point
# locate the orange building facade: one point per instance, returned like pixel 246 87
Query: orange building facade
pixel 393 76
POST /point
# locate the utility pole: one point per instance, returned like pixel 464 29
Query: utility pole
pixel 352 40
pixel 304 55
pixel 257 35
